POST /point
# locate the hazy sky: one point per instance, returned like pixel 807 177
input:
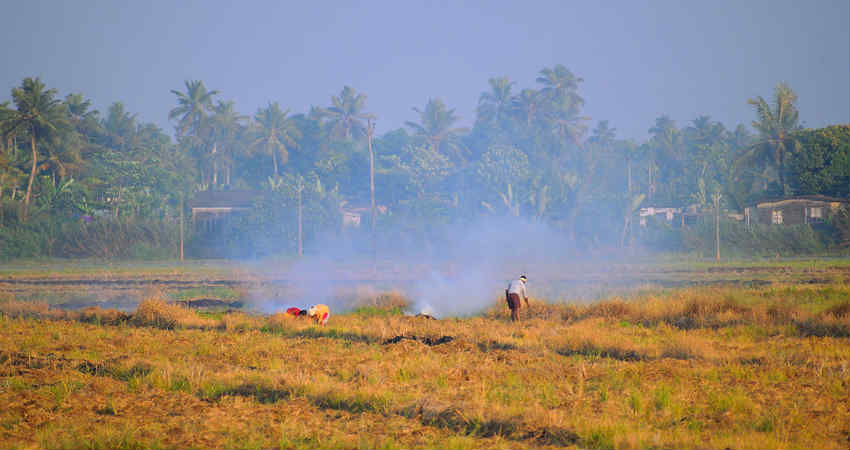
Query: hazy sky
pixel 638 59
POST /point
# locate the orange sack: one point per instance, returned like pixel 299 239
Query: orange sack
pixel 294 312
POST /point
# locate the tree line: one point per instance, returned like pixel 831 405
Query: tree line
pixel 66 168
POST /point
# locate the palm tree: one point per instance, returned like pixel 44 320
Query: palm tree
pixel 665 145
pixel 559 83
pixel 191 113
pixel 740 138
pixel 527 105
pixel 226 125
pixel 708 142
pixel 120 127
pixel 493 106
pixel 630 151
pixel 273 132
pixel 6 114
pixel 602 138
pixel 566 119
pixel 346 117
pixel 38 113
pixel 776 126
pixel 192 107
pixel 85 120
pixel 563 104
pixel 79 108
pixel 80 113
pixel 435 126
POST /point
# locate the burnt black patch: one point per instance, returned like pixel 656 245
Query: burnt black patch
pixel 209 303
pixel 429 341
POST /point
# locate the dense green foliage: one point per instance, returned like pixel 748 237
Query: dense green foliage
pixel 823 164
pixel 75 182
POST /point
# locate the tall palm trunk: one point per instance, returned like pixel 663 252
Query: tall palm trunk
pixel 781 166
pixel 215 165
pixel 274 159
pixel 372 193
pixel 32 174
pixel 651 181
pixel 182 195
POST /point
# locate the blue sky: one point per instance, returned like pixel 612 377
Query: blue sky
pixel 639 59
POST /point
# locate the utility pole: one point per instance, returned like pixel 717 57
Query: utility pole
pixel 182 195
pixel 370 131
pixel 716 197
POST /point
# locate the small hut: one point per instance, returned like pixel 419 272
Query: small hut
pixel 805 209
pixel 210 209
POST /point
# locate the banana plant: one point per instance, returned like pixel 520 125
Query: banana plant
pixel 510 203
pixel 275 184
pixel 52 193
pixel 539 200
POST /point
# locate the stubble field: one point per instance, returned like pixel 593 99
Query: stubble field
pixel 721 361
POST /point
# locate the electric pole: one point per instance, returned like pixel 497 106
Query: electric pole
pixel 716 197
pixel 370 131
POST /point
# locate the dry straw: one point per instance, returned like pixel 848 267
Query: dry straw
pixel 155 311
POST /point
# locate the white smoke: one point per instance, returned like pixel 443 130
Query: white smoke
pixel 457 270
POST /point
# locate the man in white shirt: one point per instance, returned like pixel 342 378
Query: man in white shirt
pixel 319 314
pixel 514 294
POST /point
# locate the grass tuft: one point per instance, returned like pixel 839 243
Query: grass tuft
pixel 154 311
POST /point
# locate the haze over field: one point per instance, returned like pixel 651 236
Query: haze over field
pixel 548 130
pixel 638 59
pixel 672 176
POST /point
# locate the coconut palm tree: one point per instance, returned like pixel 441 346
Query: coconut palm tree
pixel 562 103
pixel 630 151
pixel 566 119
pixel 6 114
pixel 86 121
pixel 273 132
pixel 192 107
pixel 38 113
pixel 120 127
pixel 602 139
pixel 559 83
pixel 346 118
pixel 776 125
pixel 664 149
pixel 435 126
pixel 526 105
pixel 82 116
pixel 707 142
pixel 494 106
pixel 225 125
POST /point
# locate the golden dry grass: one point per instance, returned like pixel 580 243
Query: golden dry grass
pixel 154 310
pixel 691 368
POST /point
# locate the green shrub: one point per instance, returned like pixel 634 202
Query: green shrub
pixel 21 242
pixel 118 238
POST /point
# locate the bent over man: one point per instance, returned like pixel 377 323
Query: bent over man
pixel 514 294
pixel 319 313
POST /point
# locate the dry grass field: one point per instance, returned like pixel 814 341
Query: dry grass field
pixel 695 367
